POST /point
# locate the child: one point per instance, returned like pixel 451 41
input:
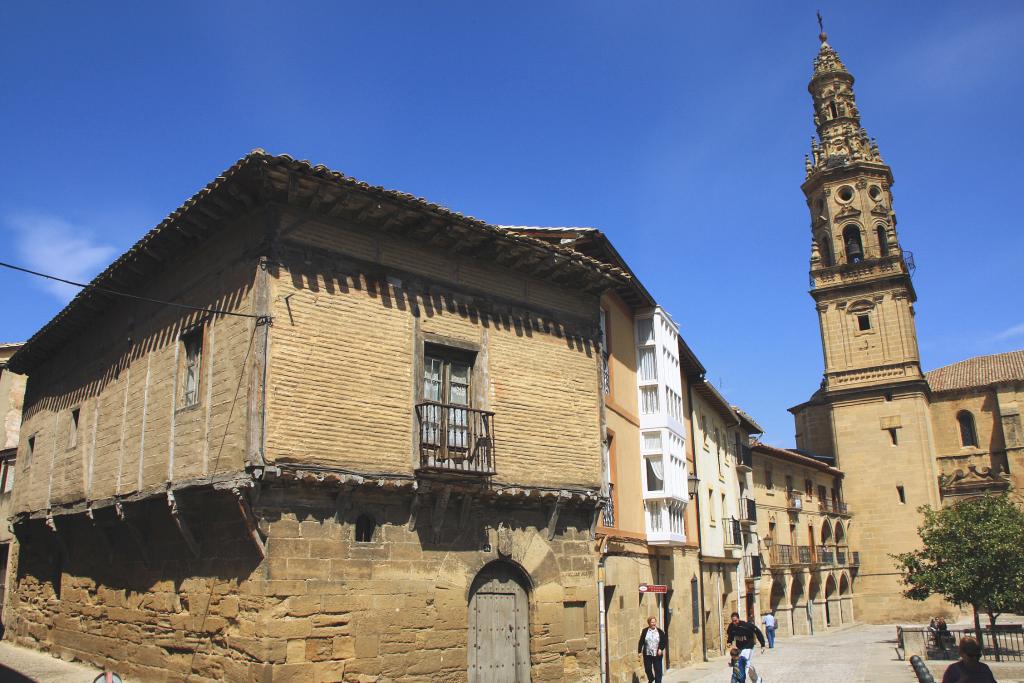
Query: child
pixel 734 665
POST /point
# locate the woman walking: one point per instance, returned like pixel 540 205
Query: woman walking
pixel 652 646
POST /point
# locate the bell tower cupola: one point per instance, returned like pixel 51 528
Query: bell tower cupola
pixel 860 274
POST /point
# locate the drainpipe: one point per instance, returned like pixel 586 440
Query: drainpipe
pixel 602 612
pixel 700 542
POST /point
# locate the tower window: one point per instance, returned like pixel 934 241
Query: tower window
pixel 968 434
pixel 863 322
pixel 73 431
pixel 845 193
pixel 832 109
pixel 902 494
pixel 883 241
pixel 875 192
pixel 853 244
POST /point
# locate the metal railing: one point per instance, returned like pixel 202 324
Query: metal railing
pixel 855 558
pixel 608 512
pixel 455 438
pixel 826 556
pixel 841 557
pixel 795 502
pixel 834 507
pixel 1005 644
pixel 748 510
pixel 804 555
pixel 781 555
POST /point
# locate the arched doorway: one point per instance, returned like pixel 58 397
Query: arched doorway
pixel 845 599
pixel 499 625
pixel 800 616
pixel 830 596
pixel 813 596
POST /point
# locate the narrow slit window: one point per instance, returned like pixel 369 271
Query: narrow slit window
pixel 192 348
pixel 902 494
pixel 30 450
pixel 365 527
pixel 73 428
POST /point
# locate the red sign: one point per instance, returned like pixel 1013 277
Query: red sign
pixel 653 588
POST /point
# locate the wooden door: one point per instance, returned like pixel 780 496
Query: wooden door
pixel 499 635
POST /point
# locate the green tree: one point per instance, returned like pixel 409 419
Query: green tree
pixel 971 555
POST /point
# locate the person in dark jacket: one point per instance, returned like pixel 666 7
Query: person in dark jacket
pixel 743 634
pixel 970 668
pixel 652 645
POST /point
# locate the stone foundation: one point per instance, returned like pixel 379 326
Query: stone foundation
pixel 322 606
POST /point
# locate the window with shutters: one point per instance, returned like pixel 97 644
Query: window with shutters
pixel 191 366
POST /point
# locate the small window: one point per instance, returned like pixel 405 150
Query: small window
pixel 845 193
pixel 968 434
pixel 29 450
pixel 73 429
pixel 789 483
pixel 768 483
pixel 863 322
pixel 821 493
pixel 808 487
pixel 893 436
pixel 7 475
pixel 655 474
pixel 902 494
pixel 832 109
pixel 192 346
pixel 365 527
pixel 883 241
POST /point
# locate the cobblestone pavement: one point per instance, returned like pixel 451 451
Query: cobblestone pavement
pixel 858 654
pixel 22 665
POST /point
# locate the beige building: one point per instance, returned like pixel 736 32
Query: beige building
pixel 806 533
pixel 642 535
pixel 12 395
pixel 398 479
pixel 903 438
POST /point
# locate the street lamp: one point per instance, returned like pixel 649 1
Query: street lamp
pixel 692 482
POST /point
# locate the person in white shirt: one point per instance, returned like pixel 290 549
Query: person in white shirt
pixel 652 645
pixel 769 628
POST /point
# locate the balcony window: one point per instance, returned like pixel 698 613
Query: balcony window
pixel 649 400
pixel 453 435
pixel 655 473
pixel 645 331
pixel 652 441
pixel 648 364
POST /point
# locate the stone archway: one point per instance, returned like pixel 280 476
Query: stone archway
pixel 778 604
pixel 815 615
pixel 832 611
pixel 846 598
pixel 499 625
pixel 826 533
pixel 798 600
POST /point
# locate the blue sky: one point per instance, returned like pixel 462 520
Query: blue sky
pixel 677 128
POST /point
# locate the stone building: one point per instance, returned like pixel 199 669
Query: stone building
pixel 12 395
pixel 903 438
pixel 643 537
pixel 805 530
pixel 398 479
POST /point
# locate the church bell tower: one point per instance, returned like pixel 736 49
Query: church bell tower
pixel 871 412
pixel 860 273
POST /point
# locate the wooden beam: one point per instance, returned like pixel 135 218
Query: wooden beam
pixel 556 510
pixel 183 528
pixel 414 506
pixel 250 521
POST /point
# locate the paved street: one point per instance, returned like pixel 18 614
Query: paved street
pixel 854 655
pixel 21 665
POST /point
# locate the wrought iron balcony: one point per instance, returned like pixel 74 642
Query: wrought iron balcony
pixel 841 556
pixel 826 556
pixel 781 555
pixel 748 510
pixel 804 554
pixel 834 507
pixel 855 558
pixel 795 502
pixel 455 439
pixel 608 513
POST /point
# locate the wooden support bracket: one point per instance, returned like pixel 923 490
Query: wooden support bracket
pixel 598 511
pixel 251 523
pixel 440 508
pixel 183 528
pixel 556 510
pixel 133 531
pixel 414 506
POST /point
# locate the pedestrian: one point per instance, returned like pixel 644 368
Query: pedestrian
pixel 652 646
pixel 769 628
pixel 734 665
pixel 743 634
pixel 970 668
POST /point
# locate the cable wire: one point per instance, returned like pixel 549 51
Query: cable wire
pixel 114 292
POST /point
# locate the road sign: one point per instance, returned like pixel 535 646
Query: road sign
pixel 653 588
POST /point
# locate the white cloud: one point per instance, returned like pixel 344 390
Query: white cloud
pixel 1010 332
pixel 54 246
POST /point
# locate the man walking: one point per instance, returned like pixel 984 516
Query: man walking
pixel 769 628
pixel 743 634
pixel 652 645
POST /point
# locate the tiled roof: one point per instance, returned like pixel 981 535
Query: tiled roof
pixel 259 177
pixel 979 371
pixel 795 457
